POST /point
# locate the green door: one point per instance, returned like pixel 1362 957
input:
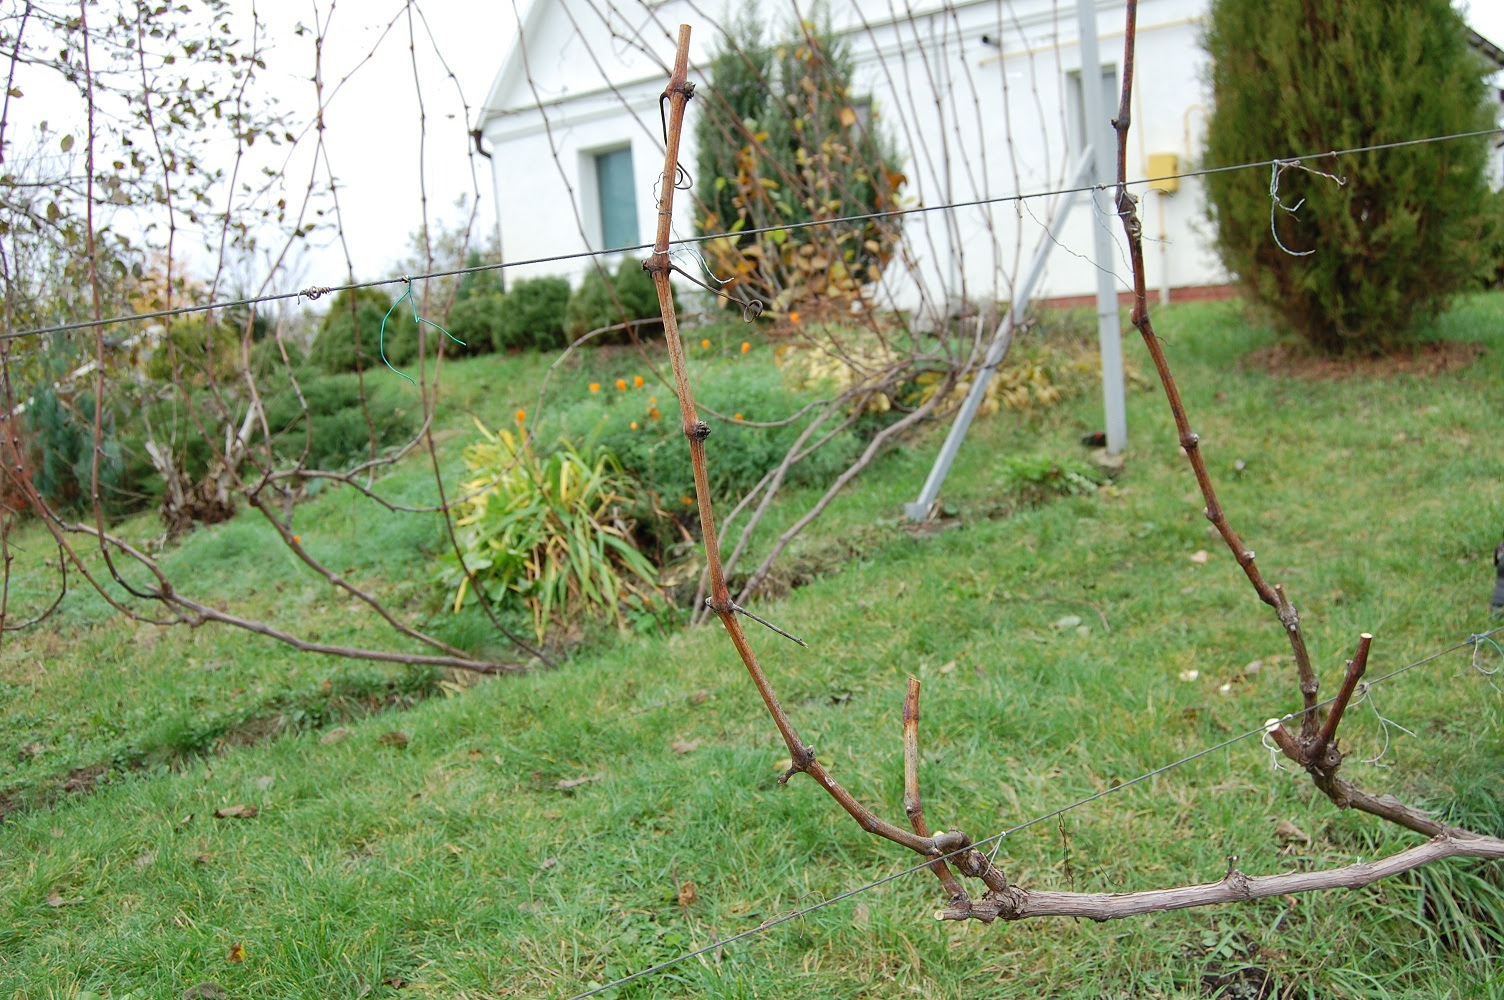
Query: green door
pixel 618 199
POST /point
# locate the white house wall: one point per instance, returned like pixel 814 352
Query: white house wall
pixel 597 71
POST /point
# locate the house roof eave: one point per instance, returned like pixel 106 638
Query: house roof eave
pixel 1486 48
pixel 528 12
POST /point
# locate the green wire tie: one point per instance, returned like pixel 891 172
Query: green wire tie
pixel 413 302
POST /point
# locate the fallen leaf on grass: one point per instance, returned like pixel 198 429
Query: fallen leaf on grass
pixel 684 746
pixel 235 812
pixel 264 782
pixel 698 698
pixel 204 991
pixel 334 735
pixel 861 915
pixel 1200 556
pixel 396 739
pixel 548 863
pixel 54 900
pixel 568 783
pixel 1287 832
pixel 687 893
pixel 237 953
pixel 145 859
pixel 1069 621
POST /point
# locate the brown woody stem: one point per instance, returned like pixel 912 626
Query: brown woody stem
pixel 1016 903
pixel 1355 668
pixel 1190 441
pixel 801 756
pixel 912 804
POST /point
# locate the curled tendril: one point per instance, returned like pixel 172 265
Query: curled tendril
pixel 751 308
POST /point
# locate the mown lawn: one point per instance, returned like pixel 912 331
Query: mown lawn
pixel 467 858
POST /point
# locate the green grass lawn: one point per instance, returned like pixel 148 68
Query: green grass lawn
pixel 462 859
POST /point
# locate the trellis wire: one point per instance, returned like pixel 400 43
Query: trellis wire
pixel 314 292
pixel 1473 639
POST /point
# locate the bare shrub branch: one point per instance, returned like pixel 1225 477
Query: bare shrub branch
pixel 1315 749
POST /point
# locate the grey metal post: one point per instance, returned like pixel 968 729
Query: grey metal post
pixel 1001 339
pixel 1100 137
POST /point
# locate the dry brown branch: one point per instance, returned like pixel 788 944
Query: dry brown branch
pixel 1235 887
pixel 801 755
pixel 229 418
pixel 1316 748
pixel 912 803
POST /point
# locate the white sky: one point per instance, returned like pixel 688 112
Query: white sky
pixel 373 125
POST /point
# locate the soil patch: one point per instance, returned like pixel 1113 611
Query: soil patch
pixel 289 715
pixel 1291 360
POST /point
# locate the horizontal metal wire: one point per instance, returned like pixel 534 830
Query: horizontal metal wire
pixel 314 292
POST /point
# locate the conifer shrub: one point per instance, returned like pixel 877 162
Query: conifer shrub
pixel 334 348
pixel 1357 265
pixel 475 320
pixel 532 316
pixel 628 296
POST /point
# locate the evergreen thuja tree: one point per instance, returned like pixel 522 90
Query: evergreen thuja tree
pixel 1357 265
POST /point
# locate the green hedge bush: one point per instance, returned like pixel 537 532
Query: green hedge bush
pixel 341 435
pixel 475 321
pixel 628 296
pixel 654 451
pixel 532 316
pixel 334 347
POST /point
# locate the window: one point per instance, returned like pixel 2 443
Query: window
pixel 1076 104
pixel 616 193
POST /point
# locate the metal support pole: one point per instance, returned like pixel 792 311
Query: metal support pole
pixel 1001 339
pixel 1100 137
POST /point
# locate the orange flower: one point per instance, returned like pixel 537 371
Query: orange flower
pixel 705 343
pixel 637 381
pixel 595 387
pixel 794 317
pixel 746 346
pixel 521 416
pixel 652 400
pixel 688 501
pixel 634 425
pixel 737 417
pixel 297 539
pixel 621 384
pixel 654 413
